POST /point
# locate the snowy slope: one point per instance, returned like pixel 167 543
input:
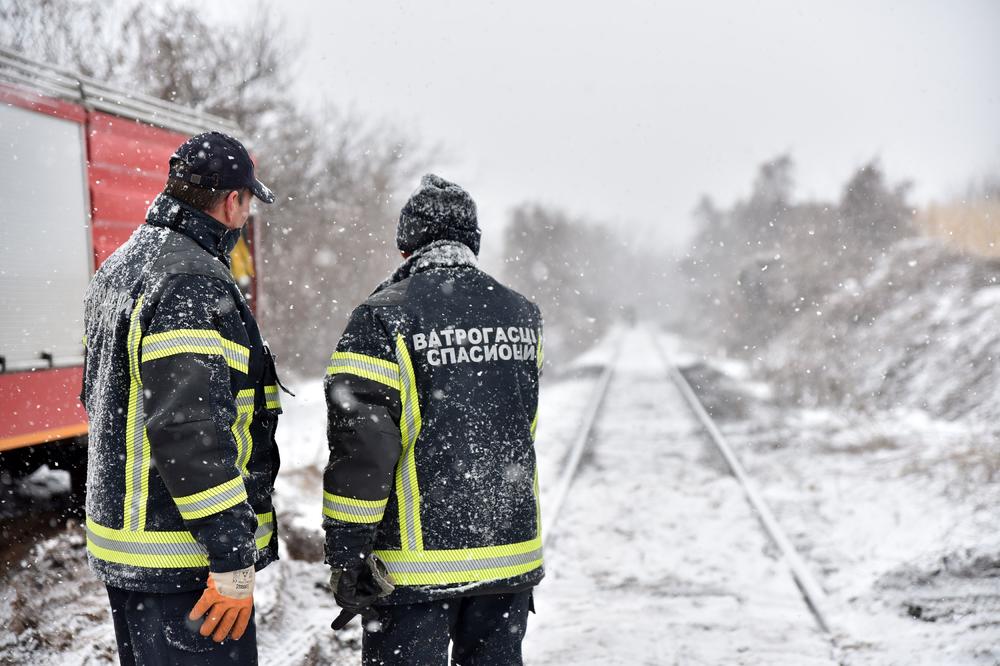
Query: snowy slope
pixel 895 510
pixel 922 331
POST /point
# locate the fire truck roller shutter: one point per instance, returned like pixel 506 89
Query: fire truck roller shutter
pixel 44 239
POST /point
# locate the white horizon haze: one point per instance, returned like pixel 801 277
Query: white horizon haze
pixel 628 112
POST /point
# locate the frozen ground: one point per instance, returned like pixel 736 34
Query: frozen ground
pixel 656 558
pixel 895 512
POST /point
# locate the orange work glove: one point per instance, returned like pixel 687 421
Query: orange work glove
pixel 228 600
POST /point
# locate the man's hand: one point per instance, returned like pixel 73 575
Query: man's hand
pixel 228 600
pixel 357 588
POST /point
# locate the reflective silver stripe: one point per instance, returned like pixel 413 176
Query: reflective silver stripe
pixel 354 510
pixel 171 550
pixel 137 449
pixel 135 423
pixel 271 397
pixel 143 548
pixel 245 399
pixel 464 565
pixel 241 428
pixel 225 499
pixel 264 529
pixel 338 363
pixel 181 343
pixel 409 507
pixel 243 440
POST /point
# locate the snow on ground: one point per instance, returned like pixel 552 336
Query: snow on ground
pixel 896 513
pixel 54 612
pixel 657 557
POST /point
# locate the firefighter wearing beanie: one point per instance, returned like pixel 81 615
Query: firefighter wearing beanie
pixel 430 499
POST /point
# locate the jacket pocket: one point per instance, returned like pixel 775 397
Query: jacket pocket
pixel 269 412
pixel 182 635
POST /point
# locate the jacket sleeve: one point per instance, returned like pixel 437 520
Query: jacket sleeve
pixel 540 351
pixel 188 361
pixel 363 407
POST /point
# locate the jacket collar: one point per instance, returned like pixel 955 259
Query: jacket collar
pixel 215 238
pixel 439 254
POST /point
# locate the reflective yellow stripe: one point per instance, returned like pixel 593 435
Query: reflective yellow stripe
pixel 136 441
pixel 213 500
pixel 540 352
pixel 241 429
pixel 466 576
pixel 351 510
pixel 195 341
pixel 265 530
pixel 368 367
pixel 410 531
pixel 534 425
pixel 272 398
pixel 464 565
pixel 169 550
pixel 538 507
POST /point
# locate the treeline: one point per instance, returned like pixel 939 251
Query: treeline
pixel 329 238
pixel 585 275
pixel 863 302
pixel 756 266
pixel 340 180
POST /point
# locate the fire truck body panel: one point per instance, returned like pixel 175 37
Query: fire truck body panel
pixel 75 181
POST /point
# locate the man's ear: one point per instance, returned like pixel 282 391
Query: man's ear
pixel 232 204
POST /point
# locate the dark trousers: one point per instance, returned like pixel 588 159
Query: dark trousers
pixel 484 630
pixel 153 630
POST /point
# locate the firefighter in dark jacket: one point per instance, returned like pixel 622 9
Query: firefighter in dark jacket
pixel 430 497
pixel 182 398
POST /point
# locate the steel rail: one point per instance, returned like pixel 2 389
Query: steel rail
pixel 810 589
pixel 551 513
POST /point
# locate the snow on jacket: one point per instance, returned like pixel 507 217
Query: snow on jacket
pixel 432 396
pixel 183 403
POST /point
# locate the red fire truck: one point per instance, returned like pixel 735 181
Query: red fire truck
pixel 80 161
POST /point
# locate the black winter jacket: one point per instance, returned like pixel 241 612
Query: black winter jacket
pixel 183 403
pixel 432 398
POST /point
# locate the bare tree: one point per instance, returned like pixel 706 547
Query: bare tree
pixel 583 275
pixel 329 238
pixel 758 265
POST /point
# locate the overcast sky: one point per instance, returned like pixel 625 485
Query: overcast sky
pixel 627 111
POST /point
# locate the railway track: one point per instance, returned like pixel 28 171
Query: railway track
pixel 627 441
pixel 812 593
pixel 306 640
pixel 727 590
pixel 596 426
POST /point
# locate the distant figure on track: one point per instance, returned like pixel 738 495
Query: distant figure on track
pixel 182 397
pixel 430 497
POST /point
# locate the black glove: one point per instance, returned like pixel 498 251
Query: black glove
pixel 357 588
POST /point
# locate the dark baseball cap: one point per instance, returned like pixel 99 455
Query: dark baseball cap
pixel 219 161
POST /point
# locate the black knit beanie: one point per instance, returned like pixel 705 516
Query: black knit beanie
pixel 438 210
